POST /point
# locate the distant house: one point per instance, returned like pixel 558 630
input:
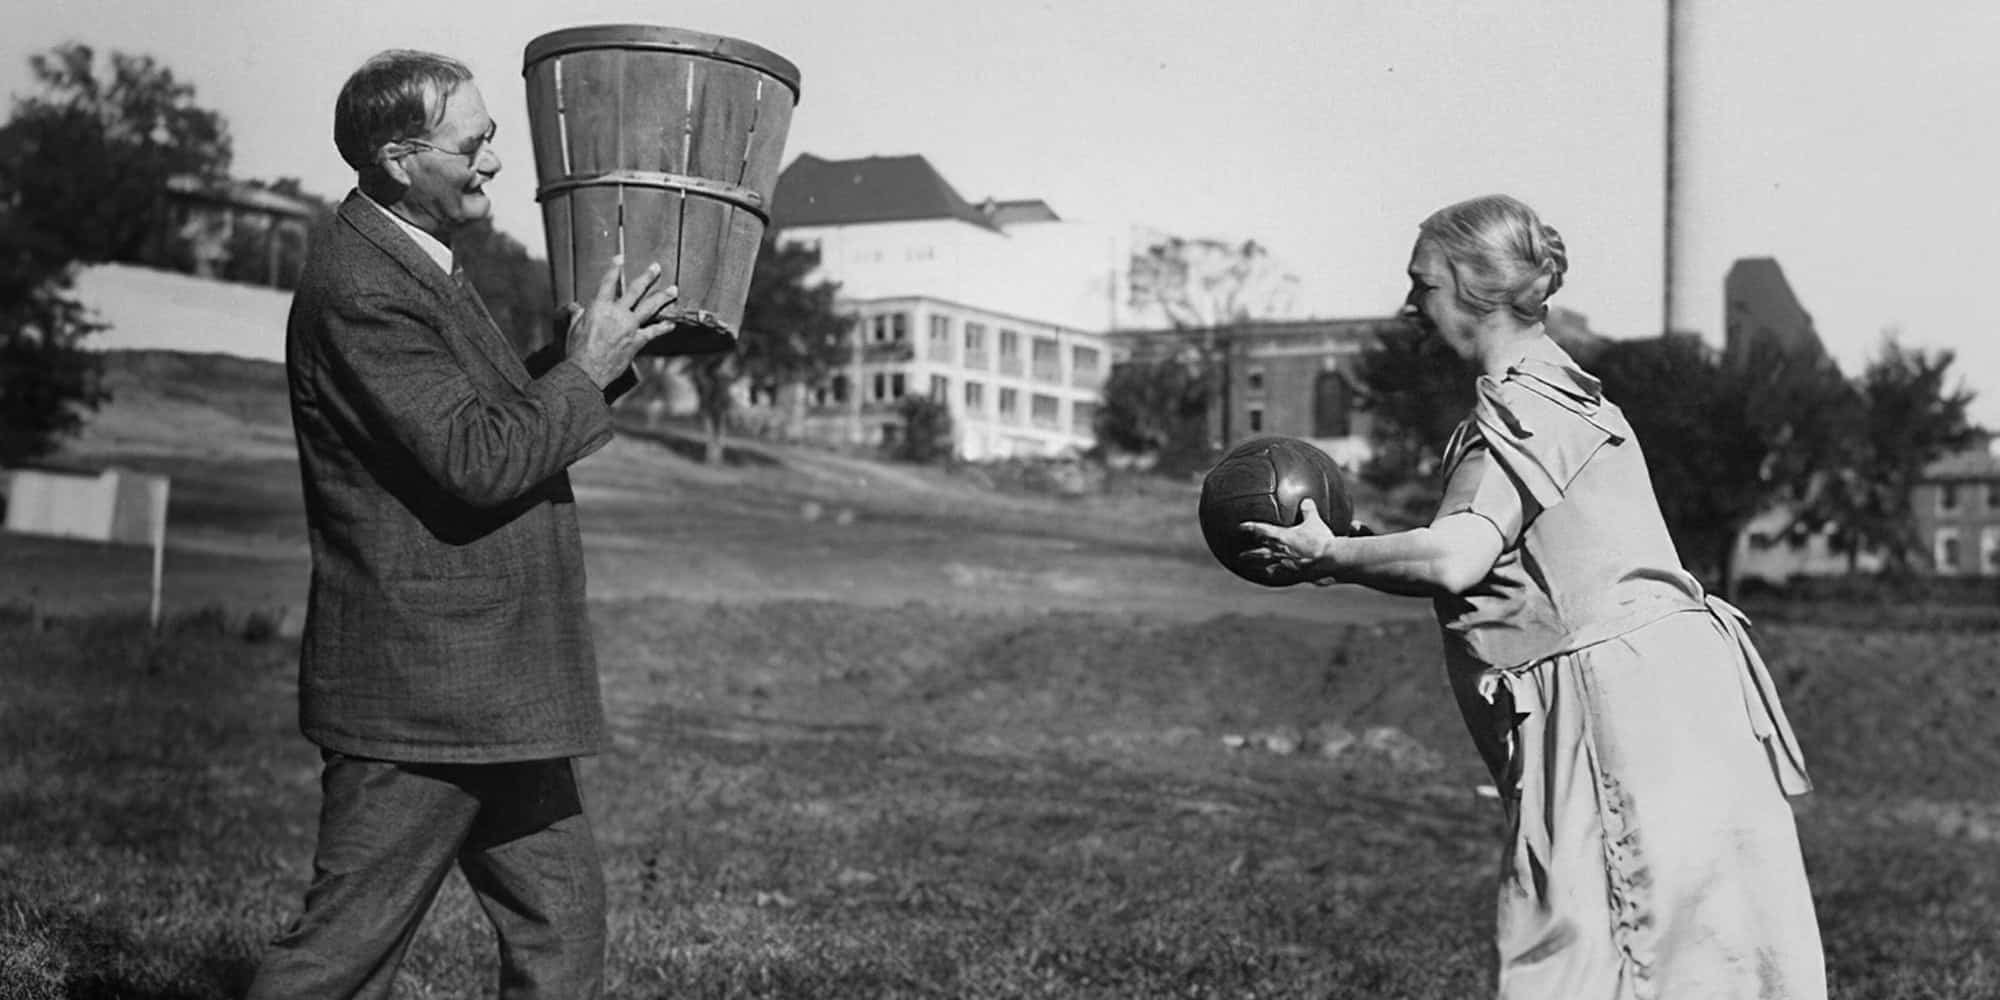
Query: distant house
pixel 1957 509
pixel 233 230
pixel 1766 552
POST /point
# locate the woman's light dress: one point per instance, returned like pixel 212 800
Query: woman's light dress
pixel 1629 722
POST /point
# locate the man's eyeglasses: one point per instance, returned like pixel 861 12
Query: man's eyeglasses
pixel 471 155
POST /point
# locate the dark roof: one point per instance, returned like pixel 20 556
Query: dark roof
pixel 1017 211
pixel 1973 463
pixel 816 192
pixel 239 194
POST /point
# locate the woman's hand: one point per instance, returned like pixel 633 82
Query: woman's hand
pixel 1299 552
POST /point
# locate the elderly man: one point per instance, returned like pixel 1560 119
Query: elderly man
pixel 446 670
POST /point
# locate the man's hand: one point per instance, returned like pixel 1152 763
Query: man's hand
pixel 604 337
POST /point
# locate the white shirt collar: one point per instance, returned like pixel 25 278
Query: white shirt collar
pixel 429 244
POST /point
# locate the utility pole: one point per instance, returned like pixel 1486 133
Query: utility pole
pixel 1675 304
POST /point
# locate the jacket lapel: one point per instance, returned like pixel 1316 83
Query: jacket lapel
pixel 474 322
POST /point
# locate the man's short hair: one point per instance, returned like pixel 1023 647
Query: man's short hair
pixel 398 94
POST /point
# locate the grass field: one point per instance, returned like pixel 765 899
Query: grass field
pixel 879 734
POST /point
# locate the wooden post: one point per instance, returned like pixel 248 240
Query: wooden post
pixel 158 498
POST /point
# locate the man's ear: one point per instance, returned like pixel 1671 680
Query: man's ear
pixel 392 167
pixel 385 181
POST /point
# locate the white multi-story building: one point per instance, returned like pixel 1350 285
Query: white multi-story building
pixel 1013 385
pixel 998 310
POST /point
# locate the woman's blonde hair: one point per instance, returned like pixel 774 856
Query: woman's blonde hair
pixel 1502 255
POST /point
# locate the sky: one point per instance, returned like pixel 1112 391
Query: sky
pixel 1858 144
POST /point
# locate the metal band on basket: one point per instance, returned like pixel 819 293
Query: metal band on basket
pixel 735 194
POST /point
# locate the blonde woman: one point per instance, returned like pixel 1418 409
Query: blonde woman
pixel 1642 754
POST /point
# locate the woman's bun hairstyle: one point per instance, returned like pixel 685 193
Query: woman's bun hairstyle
pixel 1501 253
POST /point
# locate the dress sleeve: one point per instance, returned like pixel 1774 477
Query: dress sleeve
pixel 1479 485
pixel 1531 434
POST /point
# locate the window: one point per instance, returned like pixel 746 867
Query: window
pixel 899 327
pixel 878 328
pixel 841 388
pixel 1993 494
pixel 1254 379
pixel 881 387
pixel 896 385
pixel 1989 550
pixel 975 397
pixel 975 345
pixel 1947 498
pixel 1045 359
pixel 1010 405
pixel 1083 362
pixel 1256 419
pixel 1332 405
pixel 1010 352
pixel 940 389
pixel 1045 411
pixel 1944 549
pixel 939 342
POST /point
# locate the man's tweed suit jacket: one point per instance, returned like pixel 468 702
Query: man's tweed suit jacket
pixel 446 621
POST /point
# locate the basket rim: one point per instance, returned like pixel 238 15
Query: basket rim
pixel 663 38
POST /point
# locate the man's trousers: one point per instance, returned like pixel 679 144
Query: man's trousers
pixel 390 832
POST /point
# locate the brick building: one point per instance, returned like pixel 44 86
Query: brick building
pixel 1287 377
pixel 1957 510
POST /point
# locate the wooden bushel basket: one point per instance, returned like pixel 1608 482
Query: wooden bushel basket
pixel 661 145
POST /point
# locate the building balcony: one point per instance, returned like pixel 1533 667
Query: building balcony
pixel 888 350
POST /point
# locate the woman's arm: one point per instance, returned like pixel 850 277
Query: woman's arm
pixel 1449 556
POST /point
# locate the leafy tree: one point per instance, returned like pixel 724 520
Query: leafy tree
pixel 1205 283
pixel 1418 391
pixel 1695 427
pixel 791 334
pixel 926 435
pixel 1727 440
pixel 87 159
pixel 1200 288
pixel 1158 407
pixel 47 379
pixel 1911 414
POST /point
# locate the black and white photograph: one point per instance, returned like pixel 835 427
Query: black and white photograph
pixel 999 500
